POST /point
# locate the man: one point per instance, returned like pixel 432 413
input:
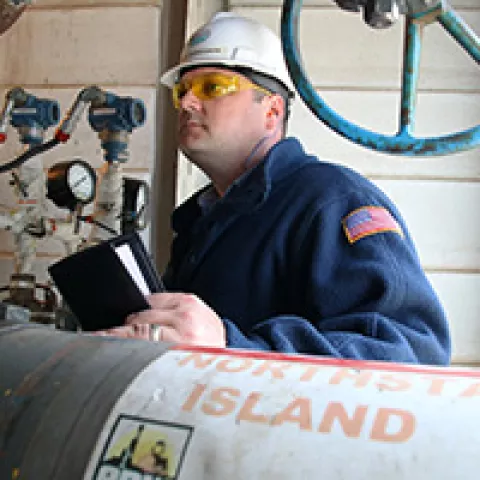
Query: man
pixel 281 251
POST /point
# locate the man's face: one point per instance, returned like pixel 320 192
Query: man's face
pixel 228 125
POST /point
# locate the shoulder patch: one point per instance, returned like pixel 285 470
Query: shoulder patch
pixel 370 220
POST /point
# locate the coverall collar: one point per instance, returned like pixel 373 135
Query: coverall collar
pixel 249 191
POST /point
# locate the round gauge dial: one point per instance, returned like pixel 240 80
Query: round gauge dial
pixel 71 183
pixel 81 182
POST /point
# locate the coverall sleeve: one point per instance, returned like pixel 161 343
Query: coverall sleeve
pixel 368 299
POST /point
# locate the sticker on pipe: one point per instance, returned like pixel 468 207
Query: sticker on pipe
pixel 236 415
pixel 139 448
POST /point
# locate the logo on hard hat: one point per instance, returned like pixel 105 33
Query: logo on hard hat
pixel 199 37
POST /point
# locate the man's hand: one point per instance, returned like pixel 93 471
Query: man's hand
pixel 179 318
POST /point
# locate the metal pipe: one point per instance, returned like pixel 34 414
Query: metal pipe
pixel 56 391
pixel 411 69
pixel 77 406
pixel 92 94
pixel 461 32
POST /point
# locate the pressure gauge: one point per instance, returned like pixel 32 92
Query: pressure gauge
pixel 71 183
pixel 136 196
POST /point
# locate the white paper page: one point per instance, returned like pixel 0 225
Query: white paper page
pixel 126 256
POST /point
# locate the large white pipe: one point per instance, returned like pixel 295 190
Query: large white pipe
pixel 227 414
pixel 77 406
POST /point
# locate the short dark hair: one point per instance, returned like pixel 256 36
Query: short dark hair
pixel 268 83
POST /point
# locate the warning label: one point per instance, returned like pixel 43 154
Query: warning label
pixel 140 449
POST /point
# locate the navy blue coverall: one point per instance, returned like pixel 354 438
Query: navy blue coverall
pixel 273 258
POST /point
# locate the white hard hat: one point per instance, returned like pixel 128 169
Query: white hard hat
pixel 231 40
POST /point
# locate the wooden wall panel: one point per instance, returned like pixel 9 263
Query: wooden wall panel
pixel 436 115
pixel 443 220
pixel 372 59
pixel 82 47
pixel 459 294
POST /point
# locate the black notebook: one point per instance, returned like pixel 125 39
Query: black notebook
pixel 104 283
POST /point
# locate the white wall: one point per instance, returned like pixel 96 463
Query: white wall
pixel 357 71
pixel 57 48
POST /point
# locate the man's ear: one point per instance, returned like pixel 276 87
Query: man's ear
pixel 275 111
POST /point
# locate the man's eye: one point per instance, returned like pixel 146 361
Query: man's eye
pixel 182 91
pixel 212 88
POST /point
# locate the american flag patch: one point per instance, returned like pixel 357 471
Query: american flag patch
pixel 367 221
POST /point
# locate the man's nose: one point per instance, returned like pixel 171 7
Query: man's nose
pixel 190 101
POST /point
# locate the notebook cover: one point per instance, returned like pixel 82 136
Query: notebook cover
pixel 98 288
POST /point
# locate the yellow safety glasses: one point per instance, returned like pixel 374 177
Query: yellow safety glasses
pixel 212 85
